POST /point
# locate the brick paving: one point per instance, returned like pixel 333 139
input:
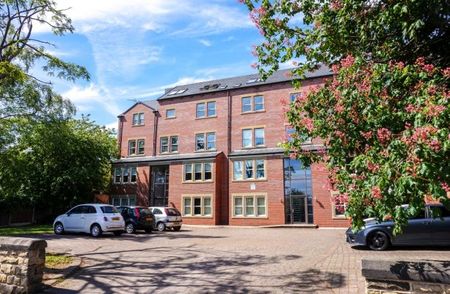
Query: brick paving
pixel 223 260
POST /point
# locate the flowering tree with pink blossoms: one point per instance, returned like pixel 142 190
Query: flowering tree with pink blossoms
pixel 384 116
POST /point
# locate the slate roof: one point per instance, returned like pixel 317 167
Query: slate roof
pixel 152 104
pixel 239 82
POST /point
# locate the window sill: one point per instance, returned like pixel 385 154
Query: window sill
pixel 197 182
pixel 340 218
pixel 249 180
pixel 134 126
pixel 168 153
pixel 206 117
pixel 250 217
pixel 171 117
pixel 250 112
pixel 133 184
pixel 254 147
pixel 202 151
pixel 136 155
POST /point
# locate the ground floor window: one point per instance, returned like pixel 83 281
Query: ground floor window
pixel 197 205
pixel 253 205
pixel 123 200
pixel 339 204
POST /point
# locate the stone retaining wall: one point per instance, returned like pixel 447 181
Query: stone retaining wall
pixel 395 277
pixel 22 263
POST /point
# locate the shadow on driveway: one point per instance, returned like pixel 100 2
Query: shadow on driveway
pixel 188 269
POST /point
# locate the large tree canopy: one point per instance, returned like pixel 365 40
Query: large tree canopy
pixel 384 116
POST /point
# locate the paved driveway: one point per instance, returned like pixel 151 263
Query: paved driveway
pixel 216 260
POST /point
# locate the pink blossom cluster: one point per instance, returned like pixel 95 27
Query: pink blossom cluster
pixel 340 199
pixel 347 61
pixel 308 123
pixel 445 186
pixel 336 5
pixel 429 68
pixel 367 135
pixel 435 110
pixel 376 192
pixel 373 167
pixel 383 135
pixel 339 108
pixel 446 72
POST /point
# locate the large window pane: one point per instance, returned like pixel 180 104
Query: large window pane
pixel 197 206
pixel 247 138
pixel 133 175
pixel 174 144
pixel 208 171
pixel 211 141
pixel 187 206
pixel 200 142
pixel 260 172
pixel 141 144
pixel 126 175
pixel 188 172
pixel 198 171
pixel 259 137
pixel 238 206
pixel 258 103
pixel 249 169
pixel 132 147
pixel 237 170
pixel 132 200
pixel 170 113
pixel 207 206
pixel 211 108
pixel 246 104
pixel 249 206
pixel 164 144
pixel 118 175
pixel 261 203
pixel 201 110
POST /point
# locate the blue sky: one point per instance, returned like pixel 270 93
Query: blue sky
pixel 134 49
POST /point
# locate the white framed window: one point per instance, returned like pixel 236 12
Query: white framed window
pixel 197 205
pixel 125 175
pixel 205 141
pixel 138 119
pixel 249 170
pixel 198 172
pixel 252 104
pixel 339 205
pixel 249 205
pixel 290 132
pixel 170 113
pixel 168 144
pixel 205 109
pixel 123 200
pixel 253 137
pixel 136 147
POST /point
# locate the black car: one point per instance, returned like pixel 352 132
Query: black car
pixel 137 218
pixel 430 227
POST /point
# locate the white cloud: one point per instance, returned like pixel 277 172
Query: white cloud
pixel 205 42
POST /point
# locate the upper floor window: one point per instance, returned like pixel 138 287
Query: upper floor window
pixel 205 141
pixel 252 104
pixel 138 119
pixel 169 144
pixel 294 96
pixel 206 109
pixel 197 172
pixel 124 175
pixel 253 137
pixel 290 133
pixel 251 169
pixel 136 147
pixel 170 113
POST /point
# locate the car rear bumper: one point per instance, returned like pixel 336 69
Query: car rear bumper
pixel 113 226
pixel 173 224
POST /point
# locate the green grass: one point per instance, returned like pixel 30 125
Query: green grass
pixel 25 230
pixel 57 260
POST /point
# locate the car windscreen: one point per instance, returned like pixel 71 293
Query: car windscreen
pixel 144 211
pixel 109 209
pixel 172 212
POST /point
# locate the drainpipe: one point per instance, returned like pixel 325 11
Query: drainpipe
pixel 155 131
pixel 119 134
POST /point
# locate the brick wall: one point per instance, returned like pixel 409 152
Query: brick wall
pixel 322 204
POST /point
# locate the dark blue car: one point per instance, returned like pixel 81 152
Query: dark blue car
pixel 421 230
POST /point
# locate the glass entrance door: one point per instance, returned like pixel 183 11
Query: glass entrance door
pixel 159 192
pixel 298 192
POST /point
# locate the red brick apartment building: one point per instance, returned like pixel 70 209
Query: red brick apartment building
pixel 211 150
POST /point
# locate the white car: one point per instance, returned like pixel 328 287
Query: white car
pixel 167 218
pixel 90 218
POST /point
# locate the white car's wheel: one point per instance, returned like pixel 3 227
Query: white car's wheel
pixel 58 228
pixel 96 231
pixel 161 226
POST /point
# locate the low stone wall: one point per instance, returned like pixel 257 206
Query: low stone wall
pixel 421 276
pixel 22 263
